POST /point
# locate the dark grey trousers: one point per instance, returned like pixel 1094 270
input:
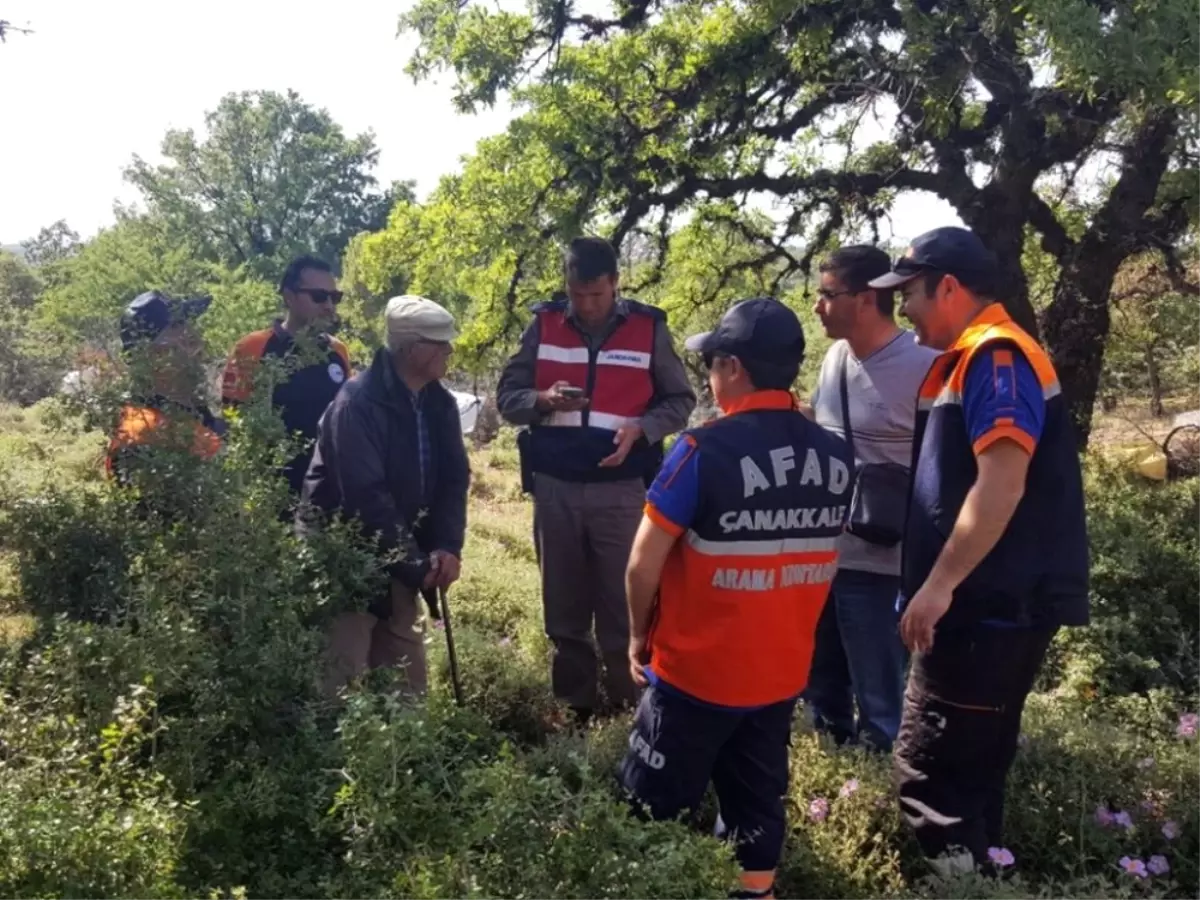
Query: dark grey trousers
pixel 583 534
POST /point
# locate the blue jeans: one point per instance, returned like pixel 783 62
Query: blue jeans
pixel 858 656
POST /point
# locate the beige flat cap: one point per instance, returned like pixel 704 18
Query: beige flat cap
pixel 410 314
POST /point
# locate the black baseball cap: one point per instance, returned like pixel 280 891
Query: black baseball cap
pixel 955 251
pixel 153 312
pixel 761 329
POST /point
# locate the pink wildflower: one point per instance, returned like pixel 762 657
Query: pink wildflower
pixel 1104 816
pixel 505 641
pixel 439 625
pixel 1134 867
pixel 818 809
pixel 1001 856
pixel 1123 819
pixel 1170 830
pixel 1158 865
pixel 1189 724
pixel 848 788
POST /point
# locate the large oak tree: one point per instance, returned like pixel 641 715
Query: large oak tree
pixel 635 118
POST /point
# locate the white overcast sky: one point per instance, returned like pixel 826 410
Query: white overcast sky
pixel 101 80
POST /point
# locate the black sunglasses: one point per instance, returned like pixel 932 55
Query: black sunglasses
pixel 322 297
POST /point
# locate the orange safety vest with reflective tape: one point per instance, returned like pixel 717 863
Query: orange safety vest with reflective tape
pixel 743 588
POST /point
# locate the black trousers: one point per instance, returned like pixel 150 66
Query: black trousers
pixel 958 735
pixel 678 746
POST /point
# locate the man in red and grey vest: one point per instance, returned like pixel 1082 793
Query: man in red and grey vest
pixel 599 384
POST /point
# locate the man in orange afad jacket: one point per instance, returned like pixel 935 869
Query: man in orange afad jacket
pixel 739 544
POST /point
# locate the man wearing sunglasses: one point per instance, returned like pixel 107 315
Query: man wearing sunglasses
pixel 995 545
pixel 297 358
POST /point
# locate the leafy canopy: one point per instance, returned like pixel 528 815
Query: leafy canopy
pixel 639 117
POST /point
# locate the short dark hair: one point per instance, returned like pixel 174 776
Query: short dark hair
pixel 771 376
pixel 589 258
pixel 858 264
pixel 767 376
pixel 292 275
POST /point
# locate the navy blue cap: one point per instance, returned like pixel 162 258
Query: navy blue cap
pixel 153 312
pixel 761 329
pixel 955 251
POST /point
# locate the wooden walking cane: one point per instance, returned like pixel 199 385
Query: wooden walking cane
pixel 458 695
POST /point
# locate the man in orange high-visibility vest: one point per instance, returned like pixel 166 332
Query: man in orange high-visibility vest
pixel 995 546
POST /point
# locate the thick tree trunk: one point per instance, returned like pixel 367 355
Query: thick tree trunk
pixel 1076 328
pixel 1076 323
pixel 999 215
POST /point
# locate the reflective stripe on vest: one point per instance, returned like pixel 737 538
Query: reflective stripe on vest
pixel 743 588
pixel 621 385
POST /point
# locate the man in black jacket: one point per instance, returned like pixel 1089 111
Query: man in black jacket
pixel 390 454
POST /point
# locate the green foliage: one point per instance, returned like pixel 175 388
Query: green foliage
pixel 1154 346
pixel 78 816
pixel 52 244
pixel 797 126
pixel 89 290
pixel 27 365
pixel 436 807
pixel 1144 547
pixel 272 178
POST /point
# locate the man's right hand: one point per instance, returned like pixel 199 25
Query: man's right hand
pixel 552 400
pixel 431 577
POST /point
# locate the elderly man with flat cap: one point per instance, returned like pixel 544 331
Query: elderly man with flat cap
pixel 390 454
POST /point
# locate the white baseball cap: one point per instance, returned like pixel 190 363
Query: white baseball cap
pixel 409 314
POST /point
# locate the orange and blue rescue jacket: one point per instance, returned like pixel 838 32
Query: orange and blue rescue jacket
pixel 758 499
pixel 301 397
pixel 996 383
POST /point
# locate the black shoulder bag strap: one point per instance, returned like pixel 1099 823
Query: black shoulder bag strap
pixel 879 503
pixel 845 396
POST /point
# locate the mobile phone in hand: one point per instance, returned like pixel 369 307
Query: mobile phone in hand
pixel 570 392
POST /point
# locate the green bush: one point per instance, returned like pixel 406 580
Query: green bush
pixel 1145 632
pixel 78 815
pixel 435 805
pixel 224 771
